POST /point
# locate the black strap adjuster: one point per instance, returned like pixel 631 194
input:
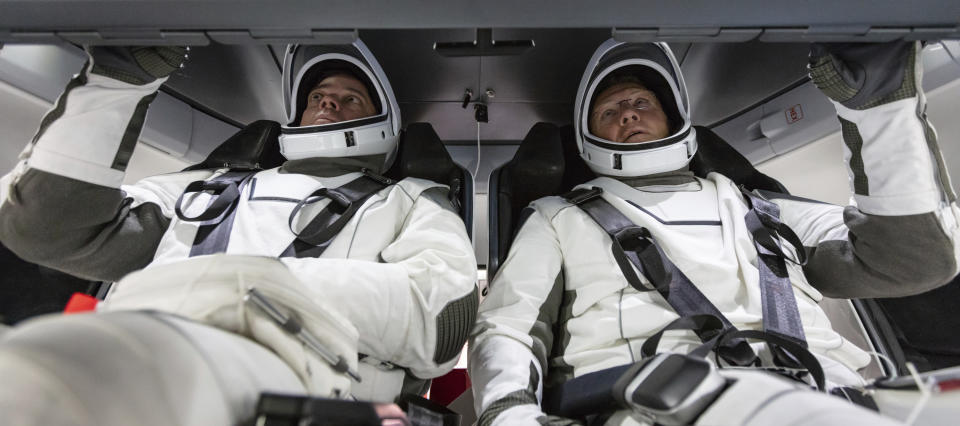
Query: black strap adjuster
pixel 582 195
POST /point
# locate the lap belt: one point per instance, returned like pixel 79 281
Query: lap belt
pixel 216 221
pixel 345 201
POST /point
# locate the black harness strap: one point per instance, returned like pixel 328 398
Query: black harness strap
pixel 216 221
pixel 632 244
pixel 345 201
pixel 781 317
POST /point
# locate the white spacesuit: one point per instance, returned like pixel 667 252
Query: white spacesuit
pixel 393 290
pixel 561 307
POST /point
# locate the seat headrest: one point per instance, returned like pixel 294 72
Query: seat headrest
pixel 537 168
pixel 254 146
pixel 421 154
pixel 715 155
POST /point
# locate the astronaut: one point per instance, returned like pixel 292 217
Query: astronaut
pixel 564 305
pixel 319 276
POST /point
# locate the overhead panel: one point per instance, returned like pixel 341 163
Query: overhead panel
pixel 802 114
pixel 727 78
pixel 550 72
pixel 690 20
pixel 416 72
pixel 237 83
pixel 41 71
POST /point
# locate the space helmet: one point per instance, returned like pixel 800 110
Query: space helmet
pixel 306 65
pixel 654 65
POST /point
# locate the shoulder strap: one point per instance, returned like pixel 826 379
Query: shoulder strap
pixel 345 201
pixel 781 317
pixel 633 245
pixel 216 221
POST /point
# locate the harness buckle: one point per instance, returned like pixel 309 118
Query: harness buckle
pixel 581 196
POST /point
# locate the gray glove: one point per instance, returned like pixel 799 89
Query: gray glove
pixel 137 65
pixel 864 75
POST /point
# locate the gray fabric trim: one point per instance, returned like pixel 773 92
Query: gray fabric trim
pixel 853 140
pixel 159 61
pixel 136 65
pixel 132 134
pixel 453 326
pixel 676 177
pixel 542 330
pixel 118 63
pixel 521 397
pixel 440 196
pixel 675 222
pixel 886 256
pixel 253 192
pixel 80 228
pixel 334 166
pixel 902 77
pixel 770 195
pixel 865 75
pixel 77 81
pixel 559 371
pixel 931 137
pixel 828 79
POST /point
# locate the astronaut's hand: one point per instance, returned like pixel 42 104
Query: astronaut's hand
pixel 138 64
pixel 864 75
pixel 391 415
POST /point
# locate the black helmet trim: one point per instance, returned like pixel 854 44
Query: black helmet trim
pixel 657 68
pixel 328 68
pixel 342 125
pixel 676 115
pixel 315 66
pixel 372 135
pixel 619 146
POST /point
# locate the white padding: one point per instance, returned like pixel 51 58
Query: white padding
pixel 369 140
pixel 128 368
pixel 83 142
pixel 900 169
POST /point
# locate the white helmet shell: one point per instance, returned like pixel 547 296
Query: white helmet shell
pixel 372 135
pixel 657 63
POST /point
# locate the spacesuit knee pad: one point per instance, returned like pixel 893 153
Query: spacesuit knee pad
pixel 132 368
pixel 755 397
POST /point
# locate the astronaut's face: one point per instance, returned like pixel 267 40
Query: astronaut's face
pixel 628 112
pixel 340 97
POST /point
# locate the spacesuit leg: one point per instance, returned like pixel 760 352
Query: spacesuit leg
pixel 757 398
pixel 133 367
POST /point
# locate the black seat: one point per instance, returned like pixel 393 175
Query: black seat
pixel 544 164
pixel 420 154
pixel 548 163
pixel 253 147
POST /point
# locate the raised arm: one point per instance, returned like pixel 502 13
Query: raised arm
pixel 900 236
pixel 63 205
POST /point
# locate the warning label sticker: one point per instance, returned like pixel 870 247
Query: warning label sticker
pixel 794 114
